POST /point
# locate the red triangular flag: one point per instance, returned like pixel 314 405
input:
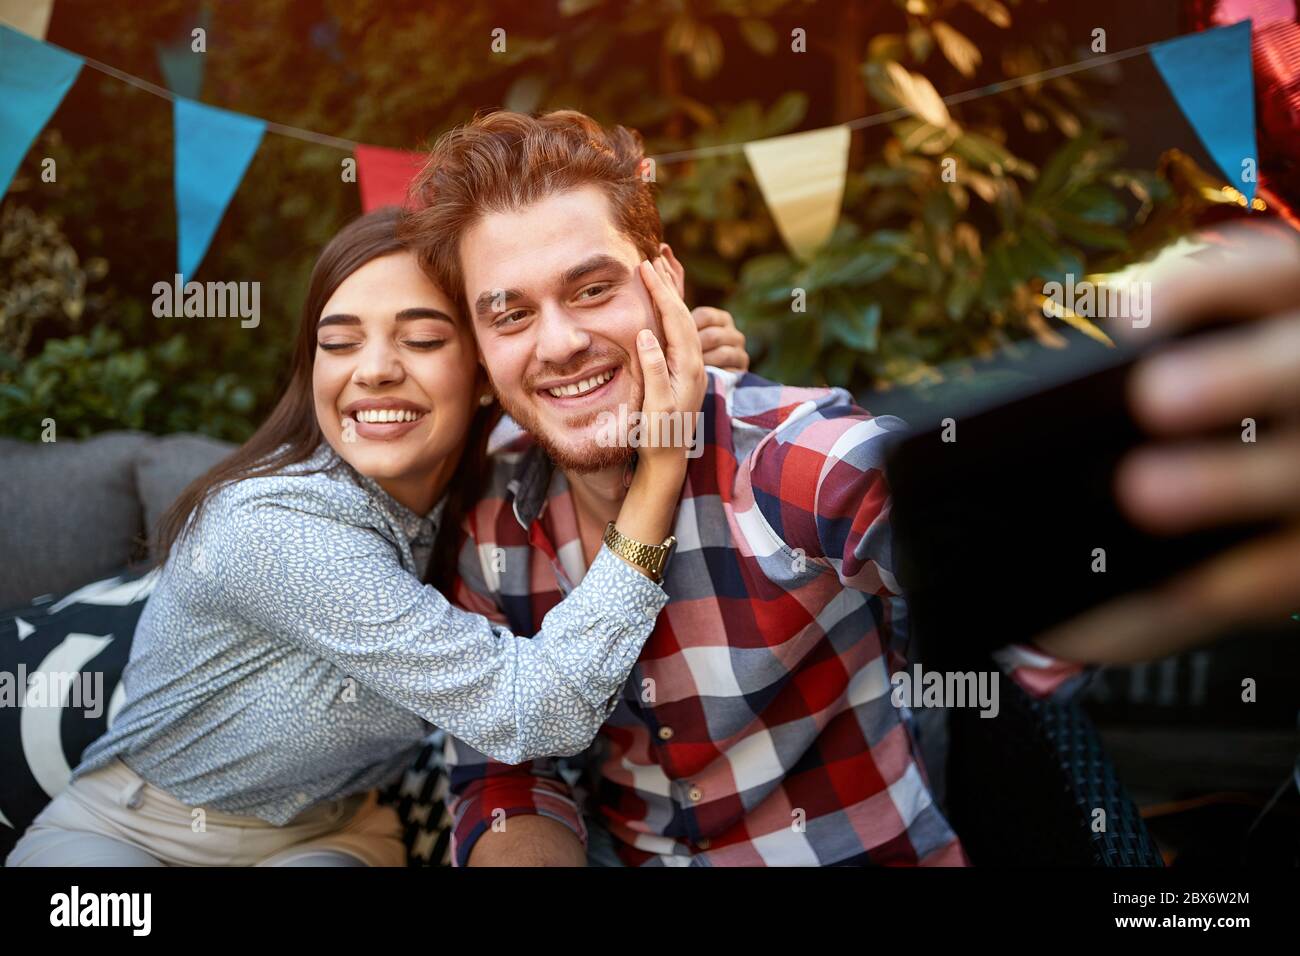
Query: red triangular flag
pixel 384 175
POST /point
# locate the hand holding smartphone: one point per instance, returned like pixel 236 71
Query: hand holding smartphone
pixel 1006 519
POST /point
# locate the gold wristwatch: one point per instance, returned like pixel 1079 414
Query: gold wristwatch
pixel 650 558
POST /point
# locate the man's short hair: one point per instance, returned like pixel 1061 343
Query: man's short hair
pixel 502 162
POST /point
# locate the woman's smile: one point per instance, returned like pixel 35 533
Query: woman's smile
pixel 384 419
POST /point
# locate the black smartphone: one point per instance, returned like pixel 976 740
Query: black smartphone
pixel 1004 518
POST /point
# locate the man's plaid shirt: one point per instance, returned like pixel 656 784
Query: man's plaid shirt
pixel 757 727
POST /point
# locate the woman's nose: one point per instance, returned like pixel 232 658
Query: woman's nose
pixel 378 365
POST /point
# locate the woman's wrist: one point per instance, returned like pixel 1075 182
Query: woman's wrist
pixel 651 502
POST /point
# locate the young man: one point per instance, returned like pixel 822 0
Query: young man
pixel 758 726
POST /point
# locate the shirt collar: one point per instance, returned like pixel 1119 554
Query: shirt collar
pixel 418 529
pixel 528 488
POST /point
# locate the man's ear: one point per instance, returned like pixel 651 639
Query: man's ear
pixel 675 267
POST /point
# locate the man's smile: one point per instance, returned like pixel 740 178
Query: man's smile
pixel 579 391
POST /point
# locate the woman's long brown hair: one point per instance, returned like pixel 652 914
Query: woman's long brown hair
pixel 290 433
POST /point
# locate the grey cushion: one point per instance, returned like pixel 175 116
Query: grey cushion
pixel 69 513
pixel 76 511
pixel 166 465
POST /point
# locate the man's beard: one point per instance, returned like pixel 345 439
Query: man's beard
pixel 581 461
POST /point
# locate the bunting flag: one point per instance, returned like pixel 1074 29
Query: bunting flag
pixel 181 65
pixel 213 149
pixel 383 175
pixel 1210 77
pixel 182 68
pixel 29 16
pixel 34 77
pixel 801 177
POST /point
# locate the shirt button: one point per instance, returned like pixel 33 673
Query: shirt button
pixel 665 733
pixel 696 794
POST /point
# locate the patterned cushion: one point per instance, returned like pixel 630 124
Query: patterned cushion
pixel 421 800
pixel 72 652
pixel 52 654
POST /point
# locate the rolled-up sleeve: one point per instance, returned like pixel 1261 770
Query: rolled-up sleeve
pixel 290 565
pixel 485 793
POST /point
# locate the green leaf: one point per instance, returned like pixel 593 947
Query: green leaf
pixel 706 52
pixel 852 324
pixel 1095 203
pixel 709 271
pixel 1061 167
pixel 886 46
pixel 918 136
pixel 894 85
pixel 993 11
pixel 571 8
pixel 525 93
pixel 15 394
pixel 984 153
pixel 794 351
pixel 957 49
pixel 920 43
pixel 775 268
pixel 961 293
pixel 759 35
pixel 1076 229
pixel 786 113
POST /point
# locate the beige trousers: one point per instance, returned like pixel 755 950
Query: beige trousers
pixel 112 817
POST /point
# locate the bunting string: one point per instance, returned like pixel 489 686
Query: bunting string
pixel 862 122
pixel 800 175
pixel 306 135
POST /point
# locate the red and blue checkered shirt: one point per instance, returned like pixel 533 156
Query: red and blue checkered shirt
pixel 757 727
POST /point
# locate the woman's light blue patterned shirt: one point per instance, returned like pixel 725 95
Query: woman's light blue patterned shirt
pixel 290 654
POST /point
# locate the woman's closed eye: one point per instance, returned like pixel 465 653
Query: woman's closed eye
pixel 424 345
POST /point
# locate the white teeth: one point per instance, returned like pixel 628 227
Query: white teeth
pixel 578 388
pixel 384 415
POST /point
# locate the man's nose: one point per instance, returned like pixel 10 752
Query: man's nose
pixel 378 365
pixel 559 337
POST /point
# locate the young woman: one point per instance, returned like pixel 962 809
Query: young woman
pixel 291 657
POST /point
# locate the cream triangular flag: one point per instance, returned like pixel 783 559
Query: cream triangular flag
pixel 30 16
pixel 802 179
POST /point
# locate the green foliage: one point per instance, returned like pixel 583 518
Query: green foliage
pixel 91 383
pixel 41 279
pixel 920 270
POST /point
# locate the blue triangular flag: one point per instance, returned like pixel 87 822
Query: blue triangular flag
pixel 34 78
pixel 213 150
pixel 182 68
pixel 1210 76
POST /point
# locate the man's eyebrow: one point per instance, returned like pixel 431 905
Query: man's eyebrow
pixel 486 303
pixel 594 264
pixel 497 300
